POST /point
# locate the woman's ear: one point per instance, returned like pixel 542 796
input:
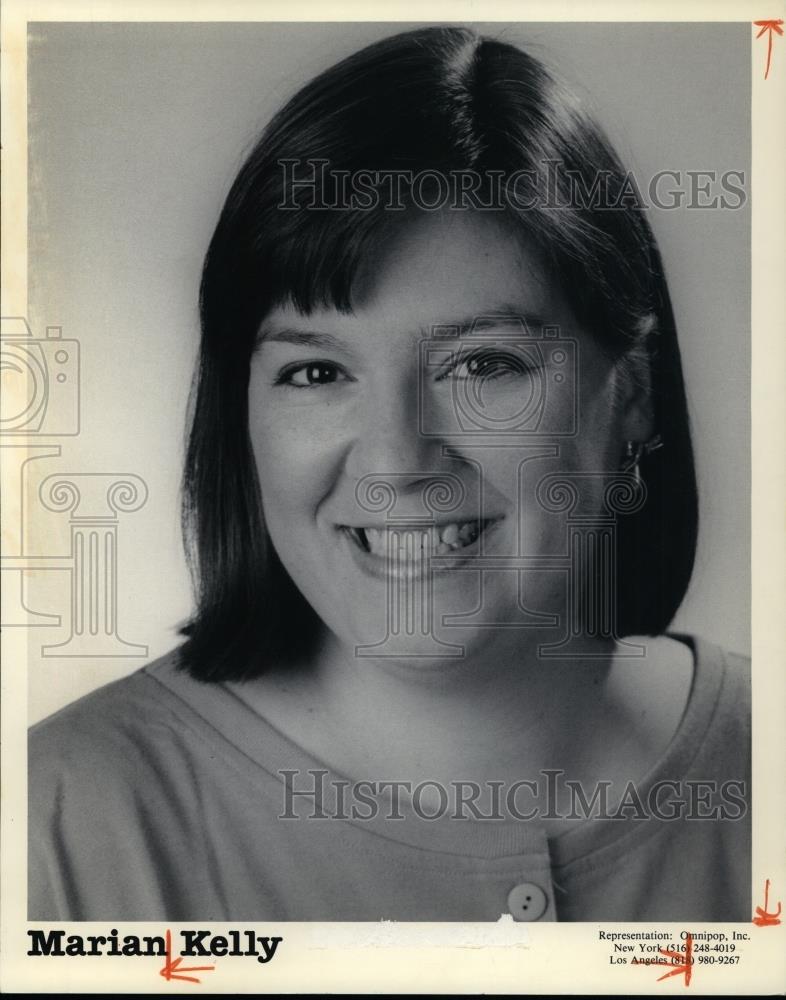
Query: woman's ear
pixel 636 413
pixel 638 418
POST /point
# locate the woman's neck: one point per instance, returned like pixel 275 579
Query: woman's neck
pixel 501 716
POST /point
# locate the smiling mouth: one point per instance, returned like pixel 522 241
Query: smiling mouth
pixel 430 539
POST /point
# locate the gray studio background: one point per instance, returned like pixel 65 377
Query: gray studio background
pixel 135 133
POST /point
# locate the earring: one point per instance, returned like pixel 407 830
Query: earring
pixel 635 451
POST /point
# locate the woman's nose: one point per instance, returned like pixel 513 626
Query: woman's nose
pixel 389 439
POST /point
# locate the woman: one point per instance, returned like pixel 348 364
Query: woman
pixel 441 506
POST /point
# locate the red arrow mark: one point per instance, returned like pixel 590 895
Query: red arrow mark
pixel 769 27
pixel 172 970
pixel 685 960
pixel 763 917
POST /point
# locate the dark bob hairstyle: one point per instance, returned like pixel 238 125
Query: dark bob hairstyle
pixel 437 99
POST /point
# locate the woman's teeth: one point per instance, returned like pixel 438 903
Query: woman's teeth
pixel 439 539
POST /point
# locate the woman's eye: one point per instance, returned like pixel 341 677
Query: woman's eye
pixel 488 365
pixel 310 375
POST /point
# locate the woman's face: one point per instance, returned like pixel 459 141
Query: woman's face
pixel 431 381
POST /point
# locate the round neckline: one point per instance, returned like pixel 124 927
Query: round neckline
pixel 238 727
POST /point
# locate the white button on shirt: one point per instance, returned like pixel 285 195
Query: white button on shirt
pixel 527 901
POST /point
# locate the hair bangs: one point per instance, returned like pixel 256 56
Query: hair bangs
pixel 318 265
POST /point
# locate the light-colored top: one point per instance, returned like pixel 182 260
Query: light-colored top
pixel 158 797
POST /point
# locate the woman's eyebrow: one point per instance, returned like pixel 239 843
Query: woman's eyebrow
pixel 305 338
pixel 511 320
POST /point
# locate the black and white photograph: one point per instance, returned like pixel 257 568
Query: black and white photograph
pixel 379 453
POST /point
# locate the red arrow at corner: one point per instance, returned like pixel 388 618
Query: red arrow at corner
pixel 763 917
pixel 173 970
pixel 769 27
